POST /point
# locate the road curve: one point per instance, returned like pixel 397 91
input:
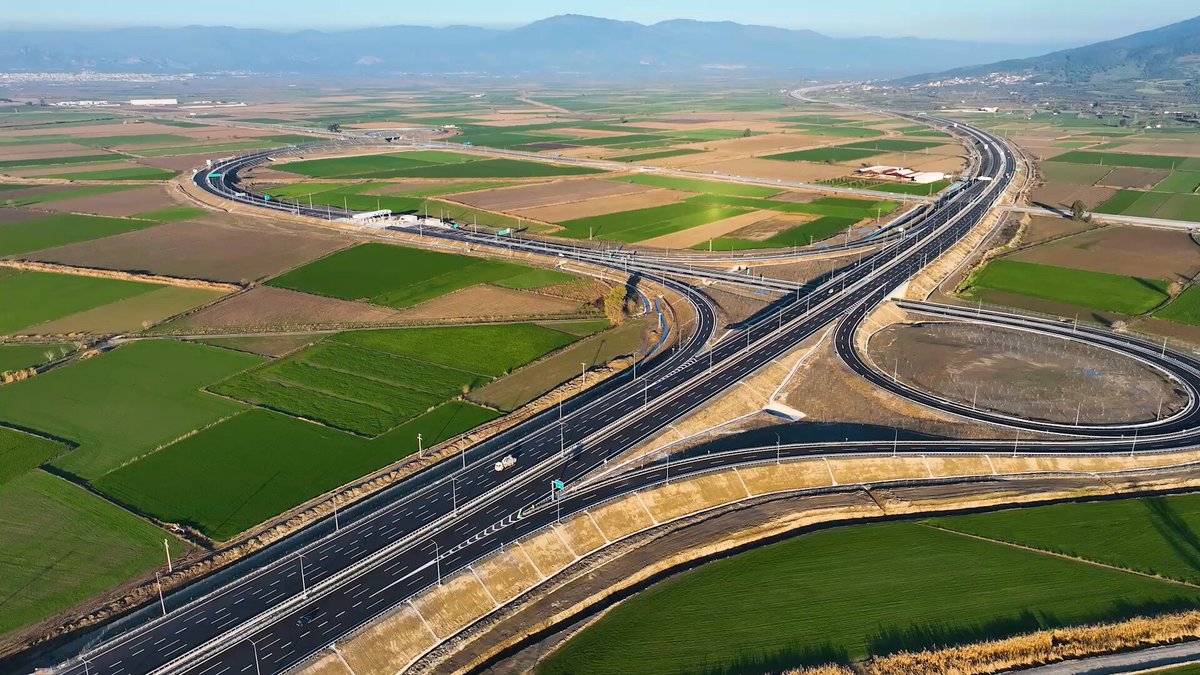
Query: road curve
pixel 291 607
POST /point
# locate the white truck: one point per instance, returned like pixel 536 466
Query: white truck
pixel 505 464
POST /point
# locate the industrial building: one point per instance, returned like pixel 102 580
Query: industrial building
pixel 899 173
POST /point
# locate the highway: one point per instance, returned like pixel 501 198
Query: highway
pixel 291 607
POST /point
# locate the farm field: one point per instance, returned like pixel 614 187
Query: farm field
pixel 20 452
pixel 370 382
pixel 156 382
pixel 131 173
pixel 93 544
pixel 1120 249
pixel 130 315
pixel 642 224
pixel 830 154
pixel 33 298
pixel 215 247
pixel 280 463
pixel 510 393
pixel 848 593
pixel 1148 535
pixel 1172 162
pixel 41 233
pixel 1185 308
pixel 18 356
pixel 427 164
pixel 799 235
pixel 1095 290
pixel 1153 205
pixel 700 186
pixel 401 277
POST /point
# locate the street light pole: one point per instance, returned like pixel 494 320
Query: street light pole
pixel 454 493
pixel 420 446
pixel 257 669
pixel 162 603
pixel 437 560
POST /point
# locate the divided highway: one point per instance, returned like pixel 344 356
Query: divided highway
pixel 295 605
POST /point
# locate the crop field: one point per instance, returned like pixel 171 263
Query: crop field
pixel 1095 290
pixel 427 164
pixel 50 194
pixel 172 214
pixel 844 594
pixel 890 186
pixel 130 315
pixel 370 382
pixel 838 132
pixel 642 224
pixel 245 470
pixel 18 356
pixel 401 277
pixel 831 154
pixel 156 382
pixel 1153 205
pixel 131 173
pixel 21 452
pixel 63 545
pixel 660 154
pixel 40 233
pixel 800 235
pixel 700 186
pixel 1154 535
pixel 892 145
pixel 822 206
pixel 1181 182
pixel 53 161
pixel 31 298
pixel 1130 159
pixel 1185 308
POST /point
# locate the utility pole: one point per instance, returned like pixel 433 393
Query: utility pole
pixel 583 367
pixel 336 526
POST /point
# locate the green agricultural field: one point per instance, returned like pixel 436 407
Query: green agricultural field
pixel 31 298
pixel 890 186
pixel 40 233
pixel 661 154
pixel 1185 308
pixel 20 452
pixel 370 382
pixel 839 132
pixel 642 224
pixel 823 206
pixel 53 161
pixel 1153 205
pixel 1076 174
pixel 831 154
pixel 173 214
pixel 401 277
pixel 844 594
pixel 131 173
pixel 700 186
pixel 801 235
pixel 91 403
pixel 210 149
pixel 1182 182
pixel 1095 290
pixel 249 468
pixel 493 350
pixel 1129 159
pixel 68 192
pixel 63 545
pixel 893 145
pixel 18 356
pixel 1154 535
pixel 132 140
pixel 427 165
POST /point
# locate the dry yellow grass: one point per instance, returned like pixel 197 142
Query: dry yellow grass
pixel 456 603
pixel 683 497
pixel 767 479
pixel 875 469
pixel 328 663
pixel 548 552
pixel 508 574
pixel 389 645
pixel 622 518
pixel 581 534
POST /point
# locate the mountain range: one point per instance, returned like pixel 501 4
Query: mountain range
pixel 558 46
pixel 1167 53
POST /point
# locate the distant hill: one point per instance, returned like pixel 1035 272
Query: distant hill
pixel 561 45
pixel 1168 53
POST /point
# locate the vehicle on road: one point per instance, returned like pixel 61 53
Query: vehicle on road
pixel 506 463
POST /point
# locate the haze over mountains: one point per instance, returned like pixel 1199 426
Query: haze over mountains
pixel 1168 53
pixel 560 45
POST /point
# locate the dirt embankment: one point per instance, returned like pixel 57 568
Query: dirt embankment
pixel 28 266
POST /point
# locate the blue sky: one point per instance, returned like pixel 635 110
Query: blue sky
pixel 1030 21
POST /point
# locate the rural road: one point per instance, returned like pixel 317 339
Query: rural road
pixel 1141 661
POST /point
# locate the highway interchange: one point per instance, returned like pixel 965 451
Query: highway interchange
pixel 296 604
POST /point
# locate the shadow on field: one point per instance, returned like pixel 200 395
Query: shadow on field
pixel 939 634
pixel 790 656
pixel 1175 531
